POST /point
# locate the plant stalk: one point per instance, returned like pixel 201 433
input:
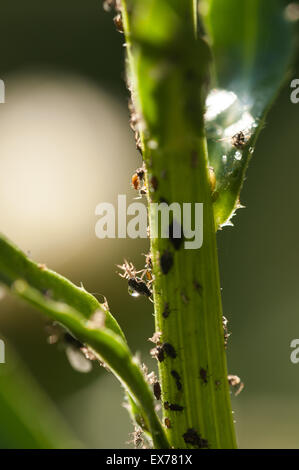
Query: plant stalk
pixel 168 72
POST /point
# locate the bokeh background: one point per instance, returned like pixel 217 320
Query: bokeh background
pixel 65 146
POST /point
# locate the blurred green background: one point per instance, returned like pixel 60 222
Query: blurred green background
pixel 65 146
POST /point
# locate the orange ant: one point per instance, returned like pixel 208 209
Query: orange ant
pixel 137 178
pixel 147 272
pixel 138 182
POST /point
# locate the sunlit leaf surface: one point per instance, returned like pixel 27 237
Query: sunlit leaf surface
pixel 251 42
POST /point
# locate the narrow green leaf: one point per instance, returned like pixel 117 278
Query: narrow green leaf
pixel 14 265
pixel 85 318
pixel 251 43
pixel 108 346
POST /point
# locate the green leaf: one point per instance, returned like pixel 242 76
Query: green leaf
pixel 90 325
pixel 251 43
pixel 29 420
pixel 109 347
pixel 14 264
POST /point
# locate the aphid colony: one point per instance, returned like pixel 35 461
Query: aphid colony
pixel 139 282
pixel 161 350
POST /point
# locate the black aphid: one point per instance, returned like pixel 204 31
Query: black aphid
pixel 140 173
pixel 166 310
pixel 177 379
pixel 158 353
pixel 162 199
pixel 192 437
pixel 169 350
pixel 175 374
pixel 139 287
pixel 172 406
pixel 203 375
pixel 166 262
pixel 154 183
pixel 136 285
pixel 157 390
pixel 175 235
pixel 197 286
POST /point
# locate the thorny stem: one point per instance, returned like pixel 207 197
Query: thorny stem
pixel 168 72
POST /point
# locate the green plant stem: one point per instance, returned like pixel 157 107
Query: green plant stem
pixel 191 292
pixel 167 75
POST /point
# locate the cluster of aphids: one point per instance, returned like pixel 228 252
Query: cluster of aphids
pixel 162 349
pixel 192 437
pixel 139 282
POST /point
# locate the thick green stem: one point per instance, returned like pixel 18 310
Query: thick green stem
pixel 188 313
pixel 168 72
